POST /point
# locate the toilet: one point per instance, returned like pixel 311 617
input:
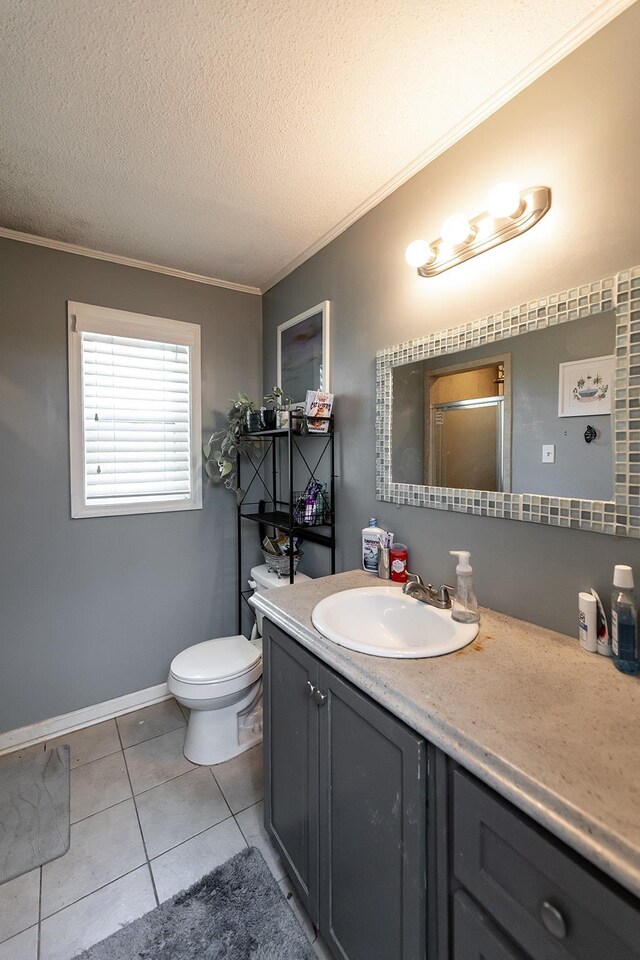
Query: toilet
pixel 220 682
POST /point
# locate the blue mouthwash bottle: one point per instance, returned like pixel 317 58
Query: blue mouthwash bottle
pixel 624 621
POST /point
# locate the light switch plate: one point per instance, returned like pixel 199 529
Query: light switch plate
pixel 548 453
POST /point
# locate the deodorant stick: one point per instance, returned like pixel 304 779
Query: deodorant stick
pixel 588 622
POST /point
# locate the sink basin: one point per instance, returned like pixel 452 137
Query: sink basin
pixel 385 622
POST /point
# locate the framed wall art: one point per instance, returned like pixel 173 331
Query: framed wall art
pixel 303 353
pixel 585 387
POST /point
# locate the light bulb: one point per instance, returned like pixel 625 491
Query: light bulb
pixel 504 200
pixel 418 253
pixel 456 230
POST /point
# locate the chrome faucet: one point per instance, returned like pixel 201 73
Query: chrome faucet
pixel 441 598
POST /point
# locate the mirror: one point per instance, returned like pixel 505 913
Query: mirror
pixel 529 414
pixel 485 420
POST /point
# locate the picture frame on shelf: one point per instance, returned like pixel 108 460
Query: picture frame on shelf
pixel 585 387
pixel 303 352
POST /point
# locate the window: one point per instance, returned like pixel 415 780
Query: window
pixel 134 410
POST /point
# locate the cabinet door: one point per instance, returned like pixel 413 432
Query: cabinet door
pixel 291 760
pixel 373 773
pixel 474 937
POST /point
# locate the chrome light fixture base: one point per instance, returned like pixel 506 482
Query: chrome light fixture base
pixel 488 232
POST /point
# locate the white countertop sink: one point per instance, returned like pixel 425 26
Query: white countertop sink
pixel 385 622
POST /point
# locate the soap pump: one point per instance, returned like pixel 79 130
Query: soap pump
pixel 464 606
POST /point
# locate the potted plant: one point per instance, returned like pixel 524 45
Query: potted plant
pixel 223 446
pixel 279 403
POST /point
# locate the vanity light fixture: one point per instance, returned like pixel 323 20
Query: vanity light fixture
pixel 509 213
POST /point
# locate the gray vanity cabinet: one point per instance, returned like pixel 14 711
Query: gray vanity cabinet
pixel 291 804
pixel 345 804
pixel 373 774
pixel 547 900
pixel 475 937
pixel 361 823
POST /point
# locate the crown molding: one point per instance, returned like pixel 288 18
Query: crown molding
pixel 125 261
pixel 567 44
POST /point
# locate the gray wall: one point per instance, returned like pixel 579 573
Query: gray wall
pixel 574 129
pixel 581 469
pixel 91 609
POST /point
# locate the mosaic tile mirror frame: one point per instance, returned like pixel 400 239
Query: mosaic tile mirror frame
pixel 620 516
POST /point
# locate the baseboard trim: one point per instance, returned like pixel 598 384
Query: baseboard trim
pixel 86 717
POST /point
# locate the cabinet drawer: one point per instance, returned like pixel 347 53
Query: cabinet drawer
pixel 553 904
pixel 474 937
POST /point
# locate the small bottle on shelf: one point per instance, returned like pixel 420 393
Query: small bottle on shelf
pixel 399 558
pixel 371 541
pixel 624 621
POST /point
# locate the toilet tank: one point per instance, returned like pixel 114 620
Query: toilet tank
pixel 265 579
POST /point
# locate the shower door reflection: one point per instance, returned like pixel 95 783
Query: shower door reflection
pixel 467 444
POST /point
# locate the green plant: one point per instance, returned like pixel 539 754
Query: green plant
pixel 224 446
pixel 277 399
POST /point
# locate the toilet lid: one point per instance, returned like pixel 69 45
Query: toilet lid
pixel 219 659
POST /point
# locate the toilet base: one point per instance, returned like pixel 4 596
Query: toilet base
pixel 213 736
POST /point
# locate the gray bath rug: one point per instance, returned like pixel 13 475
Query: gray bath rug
pixel 34 810
pixel 237 912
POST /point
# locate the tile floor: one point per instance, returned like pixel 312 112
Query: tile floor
pixel 145 823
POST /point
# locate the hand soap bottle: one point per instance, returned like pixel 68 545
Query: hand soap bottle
pixel 464 607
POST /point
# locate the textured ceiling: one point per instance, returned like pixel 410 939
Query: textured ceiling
pixel 225 137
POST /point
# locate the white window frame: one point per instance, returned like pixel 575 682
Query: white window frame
pixel 84 317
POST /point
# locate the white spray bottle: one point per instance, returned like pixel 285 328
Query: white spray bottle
pixel 465 604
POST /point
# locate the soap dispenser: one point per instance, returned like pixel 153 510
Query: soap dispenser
pixel 464 606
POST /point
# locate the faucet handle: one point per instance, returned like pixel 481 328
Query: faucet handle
pixel 445 593
pixel 415 578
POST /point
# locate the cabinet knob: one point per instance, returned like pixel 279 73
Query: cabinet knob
pixel 320 698
pixel 310 688
pixel 553 920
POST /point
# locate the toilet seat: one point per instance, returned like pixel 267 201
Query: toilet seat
pixel 215 661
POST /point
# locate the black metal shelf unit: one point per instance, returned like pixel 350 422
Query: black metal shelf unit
pixel 270 510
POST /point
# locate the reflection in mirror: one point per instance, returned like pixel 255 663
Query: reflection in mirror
pixel 479 419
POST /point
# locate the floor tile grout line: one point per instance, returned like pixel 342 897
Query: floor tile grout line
pixel 198 834
pixel 121 750
pixel 104 810
pixel 47 741
pixel 130 746
pixel 111 805
pixel 147 863
pixel 141 793
pixel 161 784
pixel 254 804
pixel 222 793
pixel 135 807
pixel 6 940
pixel 138 867
pixel 85 763
pixel 102 886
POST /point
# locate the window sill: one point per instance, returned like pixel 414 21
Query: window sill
pixel 82 509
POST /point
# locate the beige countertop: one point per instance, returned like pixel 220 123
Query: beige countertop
pixel 551 728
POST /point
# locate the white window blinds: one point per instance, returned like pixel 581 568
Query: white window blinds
pixel 134 413
pixel 136 418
